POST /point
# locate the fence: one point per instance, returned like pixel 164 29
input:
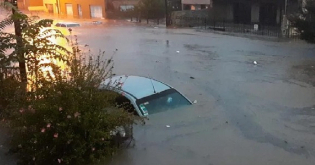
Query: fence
pixel 255 29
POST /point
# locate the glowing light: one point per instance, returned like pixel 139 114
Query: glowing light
pixel 45 60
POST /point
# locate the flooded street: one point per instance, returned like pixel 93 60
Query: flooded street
pixel 245 113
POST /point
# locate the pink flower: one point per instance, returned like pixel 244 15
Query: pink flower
pixel 43 130
pixel 31 109
pixel 93 149
pixel 59 160
pixel 48 125
pixel 22 110
pixel 60 108
pixel 56 135
pixel 77 114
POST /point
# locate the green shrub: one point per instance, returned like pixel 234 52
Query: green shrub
pixel 59 116
pixel 66 119
pixel 68 124
pixel 304 21
pixel 9 86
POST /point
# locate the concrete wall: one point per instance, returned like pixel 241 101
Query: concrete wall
pixel 85 6
pixel 118 3
pixel 24 4
pixel 189 18
pixel 221 12
pixel 229 13
pixel 51 2
pixel 200 2
pixel 255 13
pixel 36 2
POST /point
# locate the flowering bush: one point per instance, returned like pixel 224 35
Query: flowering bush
pixel 67 125
pixel 57 115
pixel 65 118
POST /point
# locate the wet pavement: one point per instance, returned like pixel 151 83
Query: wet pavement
pixel 246 114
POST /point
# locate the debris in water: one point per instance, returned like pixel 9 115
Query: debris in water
pixel 302 146
pixel 226 122
pixel 192 77
pixel 167 42
pixel 177 51
pixel 168 126
pixel 255 62
pixel 156 27
pixel 285 142
pixel 195 102
pixel 116 49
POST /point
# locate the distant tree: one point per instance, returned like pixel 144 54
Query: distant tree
pixel 151 9
pixel 304 20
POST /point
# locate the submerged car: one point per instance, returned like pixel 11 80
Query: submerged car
pixel 145 95
pixel 67 24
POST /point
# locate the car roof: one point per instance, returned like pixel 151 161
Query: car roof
pixel 67 23
pixel 137 86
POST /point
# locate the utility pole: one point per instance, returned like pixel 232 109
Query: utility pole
pixel 166 14
pixel 19 43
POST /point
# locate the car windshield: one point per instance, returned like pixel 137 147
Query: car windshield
pixel 162 101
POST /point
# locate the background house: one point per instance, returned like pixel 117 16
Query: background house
pixel 121 5
pixel 82 8
pixel 264 12
pixel 196 4
pixel 31 5
pixel 68 8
